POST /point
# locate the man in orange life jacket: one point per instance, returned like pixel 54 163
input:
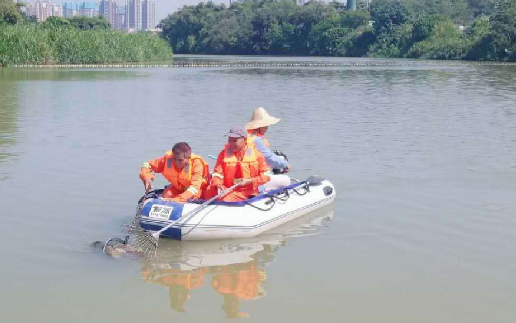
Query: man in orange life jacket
pixel 236 283
pixel 239 163
pixel 179 283
pixel 188 173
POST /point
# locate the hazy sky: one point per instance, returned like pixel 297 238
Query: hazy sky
pixel 164 7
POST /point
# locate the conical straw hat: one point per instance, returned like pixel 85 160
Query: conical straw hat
pixel 261 119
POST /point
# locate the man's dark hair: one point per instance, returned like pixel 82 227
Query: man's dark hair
pixel 182 148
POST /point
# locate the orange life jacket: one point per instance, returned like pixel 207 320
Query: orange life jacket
pixel 253 135
pixel 182 179
pixel 189 280
pixel 248 167
pixel 244 284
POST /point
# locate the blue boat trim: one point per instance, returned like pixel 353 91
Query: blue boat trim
pixel 177 212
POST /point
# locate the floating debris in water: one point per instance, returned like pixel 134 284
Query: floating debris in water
pixel 119 250
pixel 115 249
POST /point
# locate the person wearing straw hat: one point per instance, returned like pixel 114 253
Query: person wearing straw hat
pixel 238 163
pixel 256 128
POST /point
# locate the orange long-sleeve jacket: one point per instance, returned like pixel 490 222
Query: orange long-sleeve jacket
pixel 252 189
pixel 197 182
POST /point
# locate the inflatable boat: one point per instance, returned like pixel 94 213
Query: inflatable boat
pixel 231 220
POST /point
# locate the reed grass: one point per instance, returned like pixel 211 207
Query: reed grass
pixel 44 45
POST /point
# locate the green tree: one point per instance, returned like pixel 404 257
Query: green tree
pixel 394 43
pixel 501 42
pixel 222 38
pixel 355 19
pixel 479 35
pixel 481 7
pixel 357 43
pixel 9 12
pixel 387 15
pixel 182 29
pixel 457 10
pixel 86 23
pixel 54 21
pixel 282 38
pixel 325 36
pixel 424 26
pixel 266 17
pixel 445 42
pixel 306 18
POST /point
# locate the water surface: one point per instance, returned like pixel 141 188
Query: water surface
pixel 423 228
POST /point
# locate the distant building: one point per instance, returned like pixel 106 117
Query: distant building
pixel 108 9
pixel 88 9
pixel 42 10
pixel 69 9
pixel 299 2
pixel 148 14
pixel 56 10
pixel 120 21
pixel 134 14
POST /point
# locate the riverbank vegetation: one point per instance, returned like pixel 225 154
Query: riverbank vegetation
pixel 442 29
pixel 79 40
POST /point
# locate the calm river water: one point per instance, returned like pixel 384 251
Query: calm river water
pixel 423 228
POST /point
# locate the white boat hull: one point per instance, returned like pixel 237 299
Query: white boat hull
pixel 232 221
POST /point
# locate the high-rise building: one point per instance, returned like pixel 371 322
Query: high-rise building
pixel 42 10
pixel 108 9
pixel 57 10
pixel 88 9
pixel 148 14
pixel 69 9
pixel 134 13
pixel 120 18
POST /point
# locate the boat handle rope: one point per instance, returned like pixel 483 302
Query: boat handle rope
pixel 199 222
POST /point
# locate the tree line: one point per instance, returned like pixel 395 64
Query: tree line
pixel 434 29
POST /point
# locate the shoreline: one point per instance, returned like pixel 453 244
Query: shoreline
pixel 251 64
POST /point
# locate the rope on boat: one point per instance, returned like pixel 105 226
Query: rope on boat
pixel 199 222
pixel 283 196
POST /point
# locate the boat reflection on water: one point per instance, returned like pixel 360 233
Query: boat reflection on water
pixel 235 269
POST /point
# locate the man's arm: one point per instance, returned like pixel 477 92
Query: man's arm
pixel 148 169
pixel 217 177
pixel 273 160
pixel 263 172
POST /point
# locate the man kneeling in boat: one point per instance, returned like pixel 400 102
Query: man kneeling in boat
pixel 187 173
pixel 239 163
